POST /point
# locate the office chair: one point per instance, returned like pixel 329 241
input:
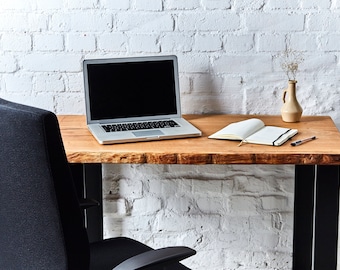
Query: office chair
pixel 41 225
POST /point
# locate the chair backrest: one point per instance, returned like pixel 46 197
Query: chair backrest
pixel 41 223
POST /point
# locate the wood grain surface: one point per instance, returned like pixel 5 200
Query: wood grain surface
pixel 81 147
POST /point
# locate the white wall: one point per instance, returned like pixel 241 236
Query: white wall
pixel 236 217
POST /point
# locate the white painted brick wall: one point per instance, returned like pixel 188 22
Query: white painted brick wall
pixel 236 217
pixel 221 211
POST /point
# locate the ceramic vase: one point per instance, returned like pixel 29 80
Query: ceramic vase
pixel 291 110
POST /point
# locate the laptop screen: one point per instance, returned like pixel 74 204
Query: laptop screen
pixel 118 89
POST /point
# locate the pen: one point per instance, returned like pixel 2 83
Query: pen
pixel 296 143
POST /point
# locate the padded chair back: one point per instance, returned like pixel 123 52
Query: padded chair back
pixel 40 219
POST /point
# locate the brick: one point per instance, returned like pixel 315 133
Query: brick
pixel 330 43
pixel 269 42
pixel 276 202
pixel 176 42
pixel 173 223
pixel 130 189
pixel 38 22
pixel 80 43
pixel 21 22
pixel 313 63
pixel 48 42
pixel 206 104
pixel 112 227
pixel 48 4
pixel 184 84
pixel 211 21
pixel 81 22
pixel 241 64
pixel 275 22
pixel 13 21
pixel 49 83
pixel 18 84
pixel 264 240
pixel 181 205
pixel 163 187
pixel 51 62
pixel 8 64
pixel 239 43
pixel 253 93
pixel 249 184
pixel 74 82
pixel 16 42
pixel 149 5
pixel 304 43
pixel 243 204
pixel 116 207
pixel 282 5
pixel 319 22
pixel 216 4
pixel 146 206
pixel 136 227
pixel 229 239
pixel 81 4
pixel 207 43
pixel 206 83
pixel 144 22
pixel 144 43
pixel 210 205
pixel 182 5
pixel 317 4
pixel 249 4
pixel 192 63
pixel 116 42
pixel 16 5
pixel 69 102
pixel 115 5
pixel 239 225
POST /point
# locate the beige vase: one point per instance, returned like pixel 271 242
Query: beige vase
pixel 291 110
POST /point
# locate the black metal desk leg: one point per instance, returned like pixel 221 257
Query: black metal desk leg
pixel 316 209
pixel 88 181
pixel 326 218
pixel 303 217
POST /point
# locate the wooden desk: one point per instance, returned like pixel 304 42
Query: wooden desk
pixel 316 174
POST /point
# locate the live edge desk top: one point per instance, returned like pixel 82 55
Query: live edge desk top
pixel 81 147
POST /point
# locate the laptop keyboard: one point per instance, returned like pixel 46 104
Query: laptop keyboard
pixel 140 126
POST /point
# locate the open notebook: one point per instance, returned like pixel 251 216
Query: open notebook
pixel 255 131
pixel 134 99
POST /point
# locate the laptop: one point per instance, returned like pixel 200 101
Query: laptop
pixel 134 99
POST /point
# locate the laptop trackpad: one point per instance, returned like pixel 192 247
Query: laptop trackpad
pixel 148 133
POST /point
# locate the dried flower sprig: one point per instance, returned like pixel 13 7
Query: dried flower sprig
pixel 290 61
